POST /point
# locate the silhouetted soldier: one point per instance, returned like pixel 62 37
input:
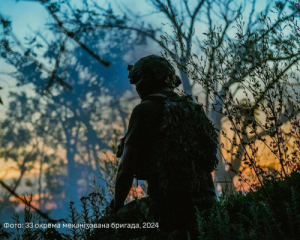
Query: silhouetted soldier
pixel 171 144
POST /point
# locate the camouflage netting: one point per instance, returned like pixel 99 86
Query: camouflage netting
pixel 190 145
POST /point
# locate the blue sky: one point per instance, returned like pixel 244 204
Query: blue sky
pixel 23 14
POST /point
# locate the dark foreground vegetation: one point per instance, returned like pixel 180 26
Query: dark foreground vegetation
pixel 255 215
pixel 251 215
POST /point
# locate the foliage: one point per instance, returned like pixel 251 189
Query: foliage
pixel 252 216
pixel 252 74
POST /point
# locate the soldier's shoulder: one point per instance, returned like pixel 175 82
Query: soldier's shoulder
pixel 147 107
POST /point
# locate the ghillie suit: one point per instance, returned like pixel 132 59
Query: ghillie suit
pixel 186 158
pixel 190 147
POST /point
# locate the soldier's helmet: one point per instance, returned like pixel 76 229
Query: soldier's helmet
pixel 153 69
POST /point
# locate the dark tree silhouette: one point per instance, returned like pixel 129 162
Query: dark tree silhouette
pixel 79 121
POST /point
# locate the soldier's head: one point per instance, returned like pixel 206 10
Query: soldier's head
pixel 151 74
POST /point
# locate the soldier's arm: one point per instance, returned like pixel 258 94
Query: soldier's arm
pixel 125 175
pixel 137 137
